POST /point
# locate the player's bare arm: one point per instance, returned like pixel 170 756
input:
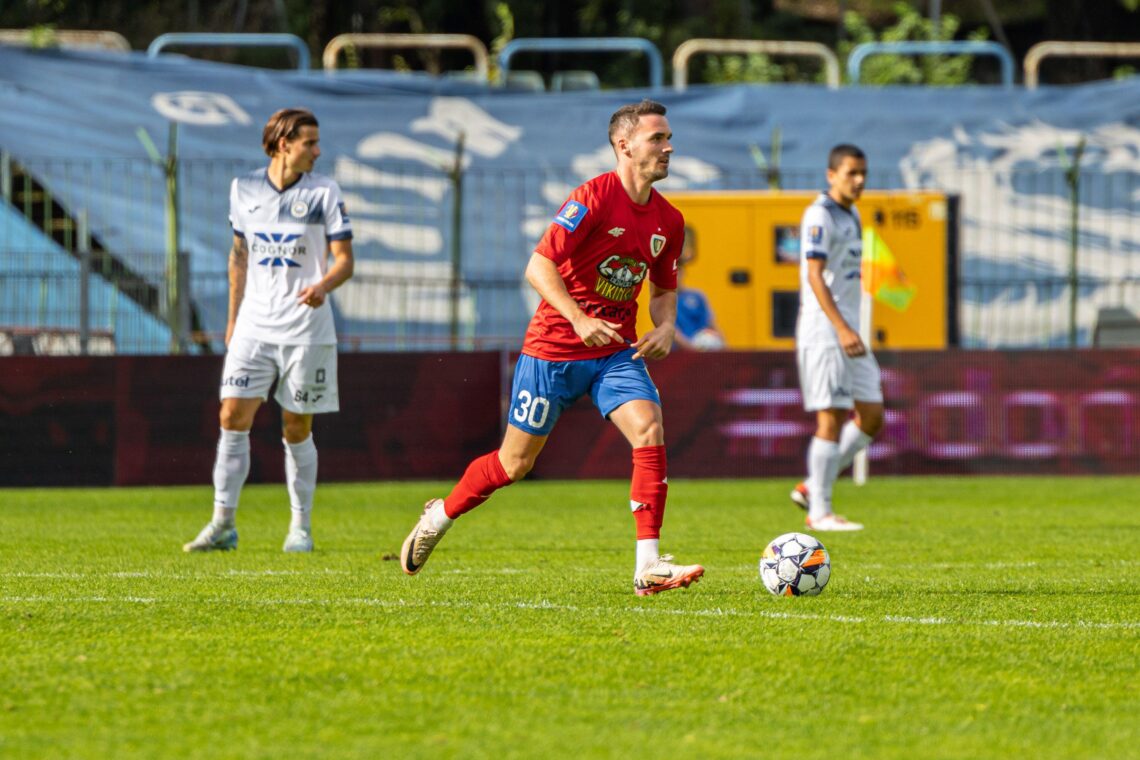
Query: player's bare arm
pixel 656 343
pixel 849 340
pixel 341 269
pixel 238 267
pixel 543 276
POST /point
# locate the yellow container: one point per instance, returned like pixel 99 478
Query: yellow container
pixel 747 263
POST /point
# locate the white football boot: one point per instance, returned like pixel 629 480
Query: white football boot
pixel 216 536
pixel 831 524
pixel 800 496
pixel 420 542
pixel 298 540
pixel 661 575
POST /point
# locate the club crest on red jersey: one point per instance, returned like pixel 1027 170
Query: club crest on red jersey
pixel 571 215
pixel 619 276
pixel 656 244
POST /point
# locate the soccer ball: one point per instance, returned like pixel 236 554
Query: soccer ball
pixel 795 564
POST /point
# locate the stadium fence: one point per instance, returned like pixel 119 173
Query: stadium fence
pixel 1021 255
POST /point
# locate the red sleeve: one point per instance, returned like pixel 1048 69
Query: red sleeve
pixel 663 274
pixel 571 226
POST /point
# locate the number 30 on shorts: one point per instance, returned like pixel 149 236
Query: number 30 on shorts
pixel 531 410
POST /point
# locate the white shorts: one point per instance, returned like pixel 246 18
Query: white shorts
pixel 830 379
pixel 306 375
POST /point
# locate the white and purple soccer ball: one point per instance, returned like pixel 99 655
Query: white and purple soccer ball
pixel 795 564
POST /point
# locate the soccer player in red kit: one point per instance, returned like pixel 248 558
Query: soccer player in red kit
pixel 613 233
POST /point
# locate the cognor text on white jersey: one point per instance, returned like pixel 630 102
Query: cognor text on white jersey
pixel 287 233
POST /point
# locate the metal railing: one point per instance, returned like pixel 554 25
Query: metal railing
pixel 1014 285
pixel 330 57
pixel 585 45
pixel 689 48
pixel 930 47
pixel 109 40
pixel 1061 49
pixel 209 39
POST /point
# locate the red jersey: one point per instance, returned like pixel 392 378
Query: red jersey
pixel 604 245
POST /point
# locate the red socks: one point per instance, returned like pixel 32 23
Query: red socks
pixel 648 489
pixel 647 492
pixel 484 476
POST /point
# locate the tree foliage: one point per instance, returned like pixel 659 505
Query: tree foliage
pixel 665 23
pixel 897 69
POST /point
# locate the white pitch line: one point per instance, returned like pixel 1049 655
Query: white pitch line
pixel 749 569
pixel 543 604
pixel 179 576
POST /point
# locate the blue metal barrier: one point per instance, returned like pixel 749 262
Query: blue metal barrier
pixel 931 47
pixel 203 39
pixel 586 45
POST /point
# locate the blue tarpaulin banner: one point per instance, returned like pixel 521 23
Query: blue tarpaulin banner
pixel 73 120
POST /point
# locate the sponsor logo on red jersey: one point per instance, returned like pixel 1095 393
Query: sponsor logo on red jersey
pixel 619 276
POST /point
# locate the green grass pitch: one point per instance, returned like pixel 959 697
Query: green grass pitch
pixel 974 618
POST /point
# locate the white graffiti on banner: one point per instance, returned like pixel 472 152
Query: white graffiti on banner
pixel 203 109
pixel 1016 217
pixel 406 220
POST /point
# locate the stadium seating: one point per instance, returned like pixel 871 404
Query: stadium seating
pixel 525 81
pixel 1116 327
pixel 574 80
pixel 40 296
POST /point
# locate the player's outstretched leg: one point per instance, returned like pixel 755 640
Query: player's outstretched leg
pixel 483 477
pixel 431 526
pixel 216 536
pixel 662 574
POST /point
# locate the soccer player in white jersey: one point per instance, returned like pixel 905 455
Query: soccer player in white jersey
pixel 838 373
pixel 287 222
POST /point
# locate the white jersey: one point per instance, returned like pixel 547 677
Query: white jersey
pixel 830 232
pixel 287 232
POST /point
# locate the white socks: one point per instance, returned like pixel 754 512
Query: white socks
pixel 825 460
pixel 232 467
pixel 438 518
pixel 823 469
pixel 301 480
pixel 230 470
pixel 852 440
pixel 647 551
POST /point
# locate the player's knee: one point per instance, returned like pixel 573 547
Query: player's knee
pixel 296 430
pixel 517 467
pixel 651 433
pixel 828 425
pixel 871 421
pixel 232 418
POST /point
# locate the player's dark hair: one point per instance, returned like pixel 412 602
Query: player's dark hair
pixel 842 151
pixel 625 119
pixel 285 123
